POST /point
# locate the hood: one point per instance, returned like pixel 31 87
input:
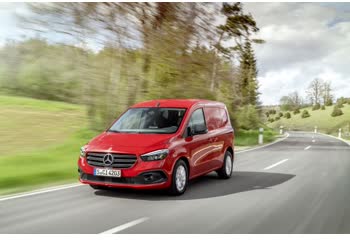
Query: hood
pixel 126 142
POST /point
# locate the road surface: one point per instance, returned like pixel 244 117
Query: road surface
pixel 299 185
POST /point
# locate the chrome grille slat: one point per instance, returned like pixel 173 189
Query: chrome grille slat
pixel 119 160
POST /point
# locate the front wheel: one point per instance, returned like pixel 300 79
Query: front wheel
pixel 179 178
pixel 225 171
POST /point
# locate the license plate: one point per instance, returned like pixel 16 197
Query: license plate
pixel 106 172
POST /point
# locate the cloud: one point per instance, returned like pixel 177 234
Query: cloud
pixel 303 41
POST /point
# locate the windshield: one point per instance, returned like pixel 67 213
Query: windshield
pixel 149 120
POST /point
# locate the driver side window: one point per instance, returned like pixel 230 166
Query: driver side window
pixel 197 120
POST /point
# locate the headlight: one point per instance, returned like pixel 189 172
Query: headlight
pixel 82 152
pixel 156 155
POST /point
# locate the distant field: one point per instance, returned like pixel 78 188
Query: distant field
pixel 320 118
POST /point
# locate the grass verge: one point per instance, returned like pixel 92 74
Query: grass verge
pixel 250 137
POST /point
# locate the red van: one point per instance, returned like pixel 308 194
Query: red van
pixel 160 144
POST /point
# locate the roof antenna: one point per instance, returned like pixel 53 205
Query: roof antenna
pixel 158 103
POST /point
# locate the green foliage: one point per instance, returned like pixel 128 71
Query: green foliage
pixel 317 106
pixel 271 120
pixel 336 111
pixel 250 137
pixel 323 107
pixel 287 115
pixel 277 118
pixel 305 114
pixel 296 111
pixel 248 117
pixel 329 102
pixel 272 111
pixel 280 114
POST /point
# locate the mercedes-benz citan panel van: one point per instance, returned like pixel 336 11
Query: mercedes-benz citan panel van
pixel 160 144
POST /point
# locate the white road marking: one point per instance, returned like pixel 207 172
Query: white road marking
pixel 45 190
pixel 313 140
pixel 125 226
pixel 308 147
pixel 276 164
pixel 256 148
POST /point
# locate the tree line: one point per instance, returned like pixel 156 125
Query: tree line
pixel 145 51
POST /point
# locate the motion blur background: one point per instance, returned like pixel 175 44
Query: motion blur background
pixel 67 70
pixel 77 66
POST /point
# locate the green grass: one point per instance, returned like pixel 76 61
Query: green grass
pixel 25 171
pixel 250 137
pixel 320 118
pixel 39 142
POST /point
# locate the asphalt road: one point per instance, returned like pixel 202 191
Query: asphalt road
pixel 299 185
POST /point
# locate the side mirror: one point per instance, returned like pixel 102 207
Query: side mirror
pixel 189 131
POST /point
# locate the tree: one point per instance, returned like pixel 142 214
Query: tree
pixel 290 102
pixel 238 28
pixel 315 91
pixel 327 93
pixel 248 84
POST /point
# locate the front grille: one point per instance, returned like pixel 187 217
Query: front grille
pixel 119 160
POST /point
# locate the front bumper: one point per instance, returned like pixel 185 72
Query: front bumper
pixel 145 175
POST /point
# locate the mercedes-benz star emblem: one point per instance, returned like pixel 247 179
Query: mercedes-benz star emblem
pixel 108 159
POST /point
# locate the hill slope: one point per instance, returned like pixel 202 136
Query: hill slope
pixel 320 118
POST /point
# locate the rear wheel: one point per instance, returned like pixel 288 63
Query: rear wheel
pixel 179 178
pixel 225 171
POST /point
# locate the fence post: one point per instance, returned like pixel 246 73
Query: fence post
pixel 281 130
pixel 315 129
pixel 261 136
pixel 339 134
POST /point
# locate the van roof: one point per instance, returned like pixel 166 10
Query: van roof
pixel 177 103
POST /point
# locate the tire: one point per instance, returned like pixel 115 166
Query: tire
pixel 98 187
pixel 180 173
pixel 225 171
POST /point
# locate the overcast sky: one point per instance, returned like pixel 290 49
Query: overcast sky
pixel 303 41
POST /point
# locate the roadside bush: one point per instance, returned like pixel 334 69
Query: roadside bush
pixel 248 117
pixel 277 118
pixel 323 107
pixel 336 111
pixel 296 111
pixel 280 114
pixel 267 114
pixel 329 102
pixel 340 105
pixel 287 115
pixel 305 114
pixel 271 120
pixel 272 111
pixel 317 106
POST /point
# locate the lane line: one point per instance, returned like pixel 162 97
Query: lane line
pixel 125 226
pixel 313 140
pixel 36 192
pixel 308 147
pixel 276 164
pixel 256 148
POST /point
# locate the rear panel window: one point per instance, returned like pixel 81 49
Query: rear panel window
pixel 215 117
